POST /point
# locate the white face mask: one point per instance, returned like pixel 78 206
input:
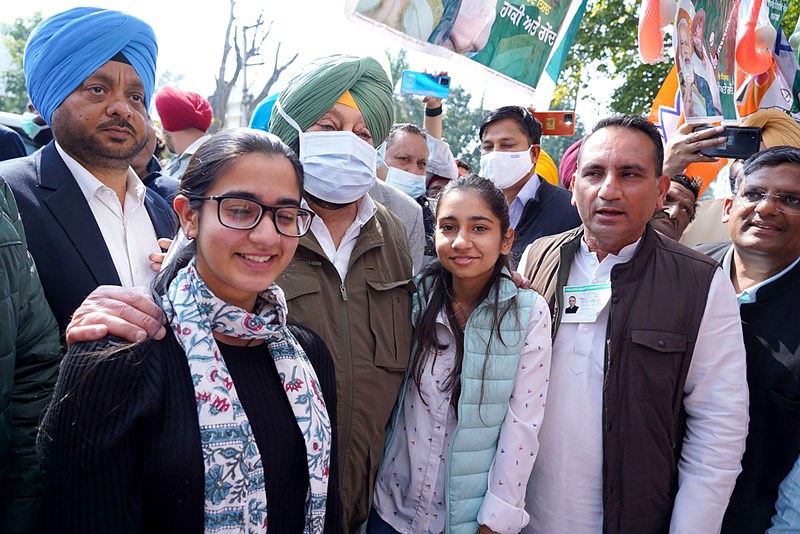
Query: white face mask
pixel 339 166
pixel 409 183
pixel 506 168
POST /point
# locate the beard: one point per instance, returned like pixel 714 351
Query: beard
pixel 91 148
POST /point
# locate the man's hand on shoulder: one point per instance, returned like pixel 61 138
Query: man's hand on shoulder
pixel 129 313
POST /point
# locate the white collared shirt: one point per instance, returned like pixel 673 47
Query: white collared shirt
pixel 527 192
pixel 412 482
pixel 565 492
pixel 127 230
pixel 178 165
pixel 340 257
pixel 748 296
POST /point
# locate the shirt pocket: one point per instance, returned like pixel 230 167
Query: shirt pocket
pixel 390 322
pixel 656 358
pixel 301 287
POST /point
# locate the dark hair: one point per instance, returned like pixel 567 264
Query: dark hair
pixel 213 157
pixel 439 283
pixel 693 185
pixel 463 165
pixel 404 127
pixel 770 157
pixel 526 122
pixel 636 123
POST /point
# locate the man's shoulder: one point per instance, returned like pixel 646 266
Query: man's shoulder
pixel 20 170
pixel 393 200
pixel 714 250
pixel 670 246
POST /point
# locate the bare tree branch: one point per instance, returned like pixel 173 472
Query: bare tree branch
pixel 243 48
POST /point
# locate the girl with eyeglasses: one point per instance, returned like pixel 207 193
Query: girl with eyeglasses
pixel 229 423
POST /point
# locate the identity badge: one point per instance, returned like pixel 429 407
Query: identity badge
pixel 582 304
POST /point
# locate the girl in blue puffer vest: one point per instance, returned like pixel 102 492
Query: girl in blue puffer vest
pixel 464 433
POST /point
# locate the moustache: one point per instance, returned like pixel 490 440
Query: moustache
pixel 117 123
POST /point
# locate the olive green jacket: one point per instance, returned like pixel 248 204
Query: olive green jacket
pixel 366 323
pixel 29 357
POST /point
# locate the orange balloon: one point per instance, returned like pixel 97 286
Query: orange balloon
pixel 651 38
pixel 750 57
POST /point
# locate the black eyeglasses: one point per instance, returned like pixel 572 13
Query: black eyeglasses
pixel 244 214
pixel 788 203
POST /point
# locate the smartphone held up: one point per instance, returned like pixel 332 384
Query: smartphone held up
pixel 424 84
pixel 556 122
pixel 742 142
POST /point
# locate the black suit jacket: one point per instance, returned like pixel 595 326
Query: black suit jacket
pixel 550 212
pixel 63 236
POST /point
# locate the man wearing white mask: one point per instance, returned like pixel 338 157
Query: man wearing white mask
pixel 510 139
pixel 404 167
pixel 349 279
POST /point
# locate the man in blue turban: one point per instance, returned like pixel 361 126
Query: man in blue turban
pixel 88 217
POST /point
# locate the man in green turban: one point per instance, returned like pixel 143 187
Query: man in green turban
pixel 349 280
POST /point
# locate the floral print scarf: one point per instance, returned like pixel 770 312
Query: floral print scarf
pixel 235 495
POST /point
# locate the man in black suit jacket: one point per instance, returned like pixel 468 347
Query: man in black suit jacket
pixel 78 197
pixel 763 262
pixel 510 139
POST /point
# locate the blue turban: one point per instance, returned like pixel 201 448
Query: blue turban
pixel 65 49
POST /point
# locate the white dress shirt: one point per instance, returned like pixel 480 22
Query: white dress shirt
pixel 566 487
pixel 411 486
pixel 340 257
pixel 127 230
pixel 178 165
pixel 527 192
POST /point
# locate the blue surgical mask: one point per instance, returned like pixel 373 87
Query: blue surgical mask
pixel 411 184
pixel 339 166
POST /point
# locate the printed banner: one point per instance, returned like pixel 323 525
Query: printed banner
pixel 523 41
pixel 705 51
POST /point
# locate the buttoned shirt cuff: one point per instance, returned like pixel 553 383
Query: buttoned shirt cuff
pixel 501 516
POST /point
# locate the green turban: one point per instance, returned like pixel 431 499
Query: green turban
pixel 314 91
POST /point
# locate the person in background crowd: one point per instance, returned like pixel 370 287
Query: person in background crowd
pixel 29 358
pixel 762 260
pixel 88 218
pixel 11 145
pixel 146 166
pixel 469 321
pixel 680 207
pixel 569 163
pixel 546 168
pixel 647 401
pixel 509 150
pixel 35 127
pixel 185 119
pixel 142 437
pixel 463 167
pixel 405 163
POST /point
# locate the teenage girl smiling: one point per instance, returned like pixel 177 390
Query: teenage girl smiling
pixel 464 433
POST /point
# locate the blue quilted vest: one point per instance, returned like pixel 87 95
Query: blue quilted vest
pixel 474 442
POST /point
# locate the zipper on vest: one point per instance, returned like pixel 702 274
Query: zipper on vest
pixel 314 263
pixel 343 290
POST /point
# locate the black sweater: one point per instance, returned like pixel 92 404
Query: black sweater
pixel 120 445
pixel 771 329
